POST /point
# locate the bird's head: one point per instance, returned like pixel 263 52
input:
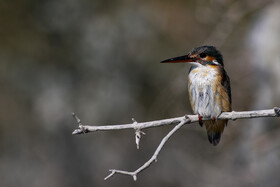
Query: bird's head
pixel 204 55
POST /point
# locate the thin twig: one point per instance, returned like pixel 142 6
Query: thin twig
pixel 153 158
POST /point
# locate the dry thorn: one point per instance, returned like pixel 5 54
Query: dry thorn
pixel 138 133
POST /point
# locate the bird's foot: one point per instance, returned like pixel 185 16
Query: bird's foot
pixel 200 120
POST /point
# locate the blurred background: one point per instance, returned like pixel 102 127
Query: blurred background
pixel 100 59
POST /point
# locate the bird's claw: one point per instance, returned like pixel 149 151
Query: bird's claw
pixel 200 120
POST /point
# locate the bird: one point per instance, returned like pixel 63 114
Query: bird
pixel 208 87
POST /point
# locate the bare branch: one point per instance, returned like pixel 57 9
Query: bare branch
pixel 193 118
pixel 180 121
pixel 153 158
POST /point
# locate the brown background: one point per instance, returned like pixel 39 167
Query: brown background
pixel 100 59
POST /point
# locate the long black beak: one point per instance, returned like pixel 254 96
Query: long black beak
pixel 179 59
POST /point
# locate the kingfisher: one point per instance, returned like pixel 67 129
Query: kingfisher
pixel 208 87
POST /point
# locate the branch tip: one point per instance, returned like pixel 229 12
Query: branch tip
pixel 134 177
pixel 76 131
pixel 110 175
pixel 82 128
pixel 76 118
pixel 277 111
pixel 133 120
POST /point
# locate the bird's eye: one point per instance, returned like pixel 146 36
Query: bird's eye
pixel 202 55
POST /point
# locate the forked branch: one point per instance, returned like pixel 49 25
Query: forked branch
pixel 153 158
pixel 180 121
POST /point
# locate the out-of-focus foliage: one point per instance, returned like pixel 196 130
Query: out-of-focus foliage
pixel 100 59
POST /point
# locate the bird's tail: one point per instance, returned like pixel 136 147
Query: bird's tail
pixel 214 130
